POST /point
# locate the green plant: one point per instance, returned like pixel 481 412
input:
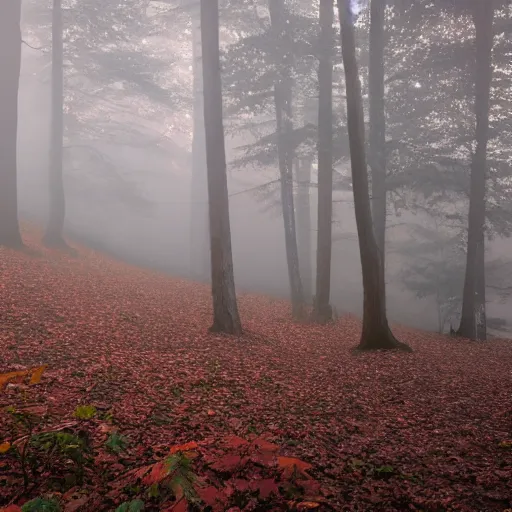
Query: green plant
pixel 116 442
pixel 58 445
pixel 131 506
pixel 41 505
pixel 85 412
pixel 183 477
pixel 23 421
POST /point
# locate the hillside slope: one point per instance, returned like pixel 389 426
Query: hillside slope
pixel 431 430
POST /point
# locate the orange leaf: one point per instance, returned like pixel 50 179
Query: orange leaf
pixel 183 447
pixel 11 508
pixel 5 378
pixel 211 412
pixel 37 373
pixel 5 447
pixel 306 505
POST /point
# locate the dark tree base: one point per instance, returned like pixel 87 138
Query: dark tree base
pixel 54 242
pixel 12 242
pixel 322 315
pixel 298 312
pixel 382 342
pixel 217 327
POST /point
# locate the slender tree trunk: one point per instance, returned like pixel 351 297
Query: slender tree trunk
pixel 283 104
pixel 378 123
pixel 57 201
pixel 10 66
pixel 303 174
pixel 199 236
pixel 473 317
pixel 376 333
pixel 322 311
pixel 225 309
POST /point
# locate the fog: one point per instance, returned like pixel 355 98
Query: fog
pixel 128 181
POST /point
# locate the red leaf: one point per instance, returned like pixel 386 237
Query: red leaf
pixel 228 463
pixel 311 487
pixel 266 446
pixel 184 447
pixel 159 472
pixel 265 487
pixel 291 464
pixel 235 442
pixel 212 496
pixel 11 508
pixel 264 458
pixel 241 485
pixel 179 506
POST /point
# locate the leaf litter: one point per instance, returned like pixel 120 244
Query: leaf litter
pixel 286 417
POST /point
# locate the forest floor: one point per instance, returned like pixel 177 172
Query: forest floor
pixel 139 402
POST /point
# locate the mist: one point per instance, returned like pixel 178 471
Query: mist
pixel 128 177
pixel 255 255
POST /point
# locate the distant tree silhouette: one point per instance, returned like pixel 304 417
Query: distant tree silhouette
pixel 283 97
pixel 57 200
pixel 473 316
pixel 10 65
pixel 322 311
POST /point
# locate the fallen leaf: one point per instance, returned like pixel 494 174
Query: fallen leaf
pixel 36 374
pixel 159 472
pixel 184 447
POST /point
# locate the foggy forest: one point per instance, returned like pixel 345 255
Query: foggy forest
pixel 255 255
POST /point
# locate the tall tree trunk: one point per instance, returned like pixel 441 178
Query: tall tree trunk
pixel 225 310
pixel 473 317
pixel 57 200
pixel 303 178
pixel 322 311
pixel 378 123
pixel 283 91
pixel 376 333
pixel 10 66
pixel 199 236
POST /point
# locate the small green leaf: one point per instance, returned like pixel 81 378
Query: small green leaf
pixel 154 491
pixel 85 412
pixel 385 469
pixel 41 505
pixel 131 506
pixel 116 443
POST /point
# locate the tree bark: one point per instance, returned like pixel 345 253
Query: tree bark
pixel 303 178
pixel 225 310
pixel 283 106
pixel 322 311
pixel 199 236
pixel 10 66
pixel 57 200
pixel 376 333
pixel 473 316
pixel 377 134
